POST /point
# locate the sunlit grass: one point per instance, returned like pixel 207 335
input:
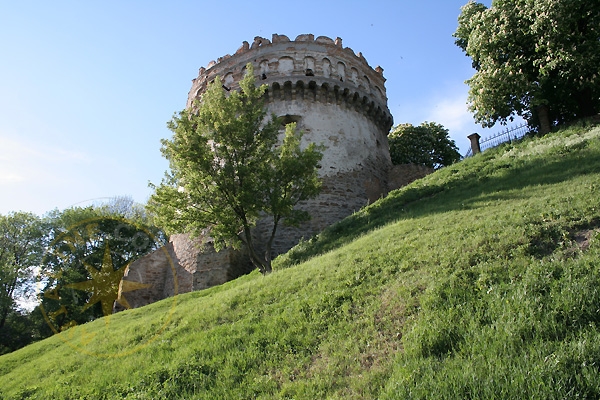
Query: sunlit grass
pixel 479 281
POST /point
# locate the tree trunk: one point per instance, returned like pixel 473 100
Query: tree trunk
pixel 6 308
pixel 269 246
pixel 544 119
pixel 254 258
pixel 268 268
pixel 3 316
pixel 585 103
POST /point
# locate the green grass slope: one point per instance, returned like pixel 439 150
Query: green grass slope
pixel 480 281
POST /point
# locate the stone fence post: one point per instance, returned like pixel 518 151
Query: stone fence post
pixel 474 138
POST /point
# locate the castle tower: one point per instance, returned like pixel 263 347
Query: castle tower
pixel 337 99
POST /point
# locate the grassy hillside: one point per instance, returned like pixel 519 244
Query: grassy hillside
pixel 481 280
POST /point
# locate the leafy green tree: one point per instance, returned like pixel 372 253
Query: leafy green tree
pixel 22 328
pixel 21 250
pixel 88 251
pixel 428 144
pixel 61 254
pixel 538 59
pixel 228 168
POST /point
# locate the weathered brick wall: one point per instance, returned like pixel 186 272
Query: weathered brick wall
pixel 342 195
pixel 183 265
pixel 151 270
pixel 403 174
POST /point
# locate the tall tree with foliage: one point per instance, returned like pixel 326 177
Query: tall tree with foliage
pixel 228 167
pixel 428 144
pixel 88 251
pixel 64 255
pixel 21 250
pixel 22 242
pixel 539 59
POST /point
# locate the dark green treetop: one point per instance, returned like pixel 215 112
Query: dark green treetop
pixel 427 144
pixel 538 59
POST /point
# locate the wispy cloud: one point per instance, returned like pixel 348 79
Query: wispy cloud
pixel 39 176
pixel 28 161
pixel 452 113
pixel 10 177
pixel 34 174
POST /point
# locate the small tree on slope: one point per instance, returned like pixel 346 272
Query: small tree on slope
pixel 228 168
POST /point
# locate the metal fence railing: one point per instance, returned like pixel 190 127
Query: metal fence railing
pixel 507 135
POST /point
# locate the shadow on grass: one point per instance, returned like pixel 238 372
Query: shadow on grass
pixel 466 185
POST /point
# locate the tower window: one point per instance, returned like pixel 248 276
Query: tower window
pixel 288 119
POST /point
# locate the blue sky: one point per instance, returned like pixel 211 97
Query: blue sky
pixel 86 87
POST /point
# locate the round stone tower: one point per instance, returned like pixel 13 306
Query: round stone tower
pixel 337 99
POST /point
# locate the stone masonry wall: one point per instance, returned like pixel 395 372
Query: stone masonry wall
pixel 182 266
pixel 403 174
pixel 151 270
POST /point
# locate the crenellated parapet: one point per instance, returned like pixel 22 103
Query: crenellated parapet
pixel 322 90
pixel 306 69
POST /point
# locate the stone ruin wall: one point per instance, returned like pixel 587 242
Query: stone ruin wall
pixel 182 265
pixel 339 101
pixel 404 174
